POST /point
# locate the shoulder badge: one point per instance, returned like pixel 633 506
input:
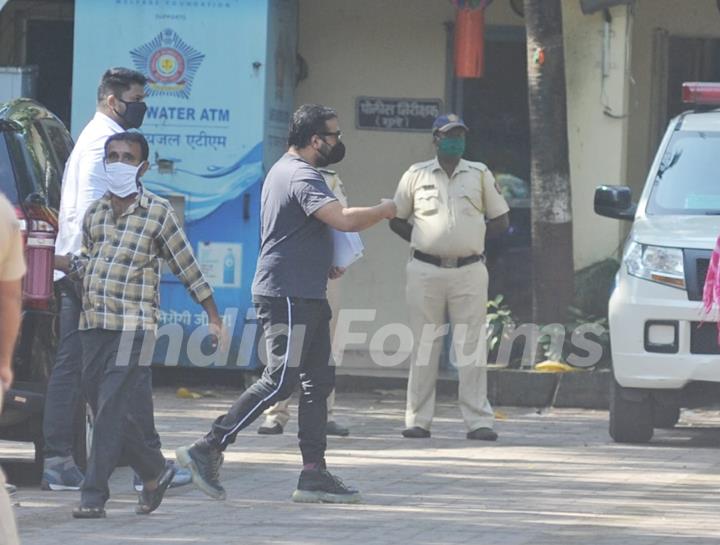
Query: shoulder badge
pixel 476 165
pixel 420 166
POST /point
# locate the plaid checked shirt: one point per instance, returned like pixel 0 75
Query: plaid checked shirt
pixel 120 263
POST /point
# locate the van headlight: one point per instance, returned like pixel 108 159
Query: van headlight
pixel 656 263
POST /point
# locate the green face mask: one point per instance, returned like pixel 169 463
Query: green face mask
pixel 451 147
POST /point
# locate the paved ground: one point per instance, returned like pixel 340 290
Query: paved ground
pixel 552 478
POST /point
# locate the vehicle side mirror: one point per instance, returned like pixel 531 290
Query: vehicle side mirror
pixel 615 201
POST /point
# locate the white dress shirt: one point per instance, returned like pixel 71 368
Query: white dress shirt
pixel 83 182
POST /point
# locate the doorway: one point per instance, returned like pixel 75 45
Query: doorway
pixel 689 59
pixel 49 45
pixel 495 108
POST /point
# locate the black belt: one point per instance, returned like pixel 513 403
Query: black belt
pixel 447 262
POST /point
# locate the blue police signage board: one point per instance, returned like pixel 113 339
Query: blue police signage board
pixel 219 94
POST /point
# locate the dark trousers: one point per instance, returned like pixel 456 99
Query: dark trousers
pixel 63 390
pixel 115 382
pixel 297 337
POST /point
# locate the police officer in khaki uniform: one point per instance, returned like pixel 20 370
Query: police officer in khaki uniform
pixel 453 205
pixel 277 416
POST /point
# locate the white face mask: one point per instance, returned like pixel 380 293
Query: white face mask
pixel 122 178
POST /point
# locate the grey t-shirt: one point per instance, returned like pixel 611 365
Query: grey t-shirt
pixel 295 248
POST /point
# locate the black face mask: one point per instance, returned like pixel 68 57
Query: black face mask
pixel 134 114
pixel 335 155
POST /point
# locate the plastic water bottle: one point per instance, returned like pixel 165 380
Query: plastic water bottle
pixel 229 268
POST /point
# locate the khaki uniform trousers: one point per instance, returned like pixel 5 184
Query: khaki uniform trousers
pixel 434 294
pixel 8 529
pixel 280 412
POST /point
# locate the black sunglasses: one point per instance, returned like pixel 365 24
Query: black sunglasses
pixel 336 133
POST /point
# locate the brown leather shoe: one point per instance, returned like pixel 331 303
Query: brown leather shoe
pixel 416 433
pixel 149 500
pixel 483 434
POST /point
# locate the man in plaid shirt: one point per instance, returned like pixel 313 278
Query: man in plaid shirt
pixel 125 235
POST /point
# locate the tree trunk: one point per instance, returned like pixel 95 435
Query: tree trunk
pixel 552 243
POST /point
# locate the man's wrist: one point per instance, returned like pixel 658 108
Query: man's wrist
pixel 214 317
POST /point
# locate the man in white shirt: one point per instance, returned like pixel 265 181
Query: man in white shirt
pixel 120 106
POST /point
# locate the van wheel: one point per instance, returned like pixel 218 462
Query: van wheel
pixel 631 414
pixel 665 416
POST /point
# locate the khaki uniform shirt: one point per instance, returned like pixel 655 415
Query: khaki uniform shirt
pixel 449 215
pixel 335 185
pixel 12 261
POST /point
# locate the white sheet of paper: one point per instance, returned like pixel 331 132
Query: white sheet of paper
pixel 347 248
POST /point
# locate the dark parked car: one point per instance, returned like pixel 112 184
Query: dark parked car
pixel 34 146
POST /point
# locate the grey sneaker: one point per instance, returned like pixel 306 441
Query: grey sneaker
pixel 320 486
pixel 333 428
pixel 61 473
pixel 204 462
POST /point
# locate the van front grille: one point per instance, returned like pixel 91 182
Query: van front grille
pixel 696 264
pixel 702 269
pixel 704 338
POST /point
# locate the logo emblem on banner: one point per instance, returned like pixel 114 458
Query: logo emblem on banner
pixel 169 63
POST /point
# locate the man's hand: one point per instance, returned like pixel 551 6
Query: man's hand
pixel 6 375
pixel 336 272
pixel 389 209
pixel 217 328
pixel 62 263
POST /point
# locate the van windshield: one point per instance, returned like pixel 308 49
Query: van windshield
pixel 688 179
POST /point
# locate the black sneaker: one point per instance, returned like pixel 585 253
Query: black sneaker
pixel 204 462
pixel 88 512
pixel 270 429
pixel 483 434
pixel 320 486
pixel 416 433
pixel 333 428
pixel 149 500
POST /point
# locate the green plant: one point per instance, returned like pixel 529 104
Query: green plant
pixel 499 322
pixel 595 329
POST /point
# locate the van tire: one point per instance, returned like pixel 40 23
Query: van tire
pixel 665 416
pixel 631 414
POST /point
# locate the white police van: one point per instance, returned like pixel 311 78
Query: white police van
pixel 664 355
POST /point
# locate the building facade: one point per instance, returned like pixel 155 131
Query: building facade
pixel 623 70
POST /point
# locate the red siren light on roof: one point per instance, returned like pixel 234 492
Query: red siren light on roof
pixel 701 93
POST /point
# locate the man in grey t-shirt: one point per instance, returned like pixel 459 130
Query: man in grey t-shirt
pixel 289 292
